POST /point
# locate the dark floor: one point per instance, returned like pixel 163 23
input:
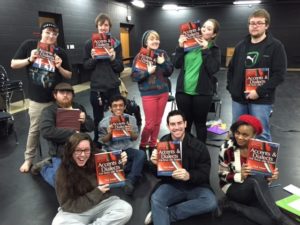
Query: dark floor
pixel 28 200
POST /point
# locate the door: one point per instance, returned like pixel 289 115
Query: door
pixel 124 36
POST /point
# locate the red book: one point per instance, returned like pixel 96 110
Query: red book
pixel 101 44
pixel 191 30
pixel 262 156
pixel 109 169
pixel 168 157
pixel 145 57
pixel 45 57
pixel 118 131
pixel 255 77
pixel 68 118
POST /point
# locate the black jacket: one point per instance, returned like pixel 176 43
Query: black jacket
pixel 273 57
pixel 57 137
pixel 210 65
pixel 195 159
pixel 105 73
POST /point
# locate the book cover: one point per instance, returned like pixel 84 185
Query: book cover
pixel 109 169
pixel 291 206
pixel 68 118
pixel 45 57
pixel 118 127
pixel 145 57
pixel 191 30
pixel 169 157
pixel 255 78
pixel 101 44
pixel 262 156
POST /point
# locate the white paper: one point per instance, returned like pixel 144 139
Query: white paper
pixel 292 189
pixel 295 205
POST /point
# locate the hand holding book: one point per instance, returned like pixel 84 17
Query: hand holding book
pixel 124 158
pixel 181 174
pixel 153 157
pixel 246 171
pixel 274 176
pixel 104 188
pixel 151 68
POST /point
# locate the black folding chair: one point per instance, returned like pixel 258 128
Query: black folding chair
pixel 7 125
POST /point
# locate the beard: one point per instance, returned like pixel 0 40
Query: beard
pixel 65 104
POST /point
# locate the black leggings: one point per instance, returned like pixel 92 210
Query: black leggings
pixel 254 200
pixel 195 109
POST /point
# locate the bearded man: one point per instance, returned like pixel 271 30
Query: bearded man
pixel 56 136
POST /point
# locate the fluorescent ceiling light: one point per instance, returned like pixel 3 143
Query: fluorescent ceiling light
pixel 170 7
pixel 138 3
pixel 246 2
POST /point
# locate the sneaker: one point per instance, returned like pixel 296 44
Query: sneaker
pixel 36 168
pixel 128 188
pixel 148 219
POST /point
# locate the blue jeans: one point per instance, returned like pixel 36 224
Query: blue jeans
pixel 260 111
pixel 173 202
pixel 48 172
pixel 135 164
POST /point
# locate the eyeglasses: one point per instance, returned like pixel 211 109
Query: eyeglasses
pixel 53 34
pixel 80 151
pixel 256 24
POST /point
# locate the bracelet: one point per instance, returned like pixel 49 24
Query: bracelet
pixel 28 60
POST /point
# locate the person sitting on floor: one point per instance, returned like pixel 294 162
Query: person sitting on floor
pixel 246 194
pixel 187 192
pixel 80 198
pixel 136 158
pixel 56 136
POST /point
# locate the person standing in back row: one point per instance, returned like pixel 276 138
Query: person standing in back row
pixel 40 83
pixel 194 91
pixel 259 50
pixel 105 72
pixel 154 89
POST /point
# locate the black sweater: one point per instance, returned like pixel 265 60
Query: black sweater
pixel 273 57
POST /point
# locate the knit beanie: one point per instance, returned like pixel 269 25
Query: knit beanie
pixel 145 37
pixel 253 121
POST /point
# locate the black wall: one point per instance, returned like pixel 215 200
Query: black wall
pixel 19 21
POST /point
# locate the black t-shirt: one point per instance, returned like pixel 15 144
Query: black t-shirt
pixel 254 54
pixel 41 82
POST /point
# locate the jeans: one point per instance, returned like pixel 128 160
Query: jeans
pixel 98 110
pixel 48 172
pixel 254 198
pixel 135 164
pixel 173 202
pixel 195 109
pixel 154 108
pixel 260 111
pixel 111 211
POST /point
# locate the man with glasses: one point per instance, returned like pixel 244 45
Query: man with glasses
pixel 57 136
pixel 259 53
pixel 40 82
pixel 136 158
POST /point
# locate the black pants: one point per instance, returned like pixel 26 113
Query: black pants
pixel 195 109
pixel 98 110
pixel 254 200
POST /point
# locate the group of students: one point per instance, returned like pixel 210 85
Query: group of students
pixel 71 168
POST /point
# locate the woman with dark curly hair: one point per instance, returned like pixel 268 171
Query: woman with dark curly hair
pixel 81 200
